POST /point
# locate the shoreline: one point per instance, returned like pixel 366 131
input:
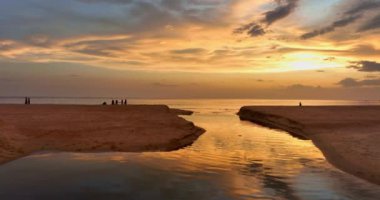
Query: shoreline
pixel 348 136
pixel 26 129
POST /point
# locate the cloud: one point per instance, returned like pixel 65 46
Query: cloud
pixel 339 23
pixel 70 18
pixel 303 87
pixel 372 24
pixel 252 29
pixel 107 1
pixel 364 49
pixel 353 14
pixel 365 66
pixel 106 46
pixel 7 45
pixel 363 6
pixel 95 52
pixel 283 9
pixel 371 76
pixel 177 35
pixel 350 82
pixel 189 51
pixel 329 59
pixel 159 84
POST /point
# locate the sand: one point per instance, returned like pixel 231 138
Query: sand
pixel 348 136
pixel 25 129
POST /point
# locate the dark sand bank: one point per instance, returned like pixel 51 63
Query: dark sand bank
pixel 181 112
pixel 348 136
pixel 25 129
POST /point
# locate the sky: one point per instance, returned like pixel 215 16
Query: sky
pixel 275 49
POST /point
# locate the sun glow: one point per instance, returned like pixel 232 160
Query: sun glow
pixel 309 61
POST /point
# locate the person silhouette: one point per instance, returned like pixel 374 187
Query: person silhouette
pixel 300 104
pixel 117 102
pixel 113 102
pixel 26 100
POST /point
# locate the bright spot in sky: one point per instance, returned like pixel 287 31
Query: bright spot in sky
pixel 308 61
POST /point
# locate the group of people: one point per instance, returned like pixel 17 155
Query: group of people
pixel 27 100
pixel 122 102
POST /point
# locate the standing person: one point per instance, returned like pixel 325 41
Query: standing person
pixel 26 100
pixel 117 102
pixel 113 102
pixel 300 104
pixel 126 103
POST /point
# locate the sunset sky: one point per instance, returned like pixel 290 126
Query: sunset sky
pixel 314 49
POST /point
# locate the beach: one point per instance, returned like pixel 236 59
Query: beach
pixel 348 136
pixel 25 129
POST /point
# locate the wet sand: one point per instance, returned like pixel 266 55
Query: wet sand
pixel 348 136
pixel 25 129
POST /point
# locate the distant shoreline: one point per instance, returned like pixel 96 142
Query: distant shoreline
pixel 348 136
pixel 25 129
pixel 188 98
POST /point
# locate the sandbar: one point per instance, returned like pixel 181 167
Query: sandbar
pixel 25 129
pixel 348 136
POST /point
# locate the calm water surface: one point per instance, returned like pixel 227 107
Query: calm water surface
pixel 232 160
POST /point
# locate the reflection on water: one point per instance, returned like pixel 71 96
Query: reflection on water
pixel 232 160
